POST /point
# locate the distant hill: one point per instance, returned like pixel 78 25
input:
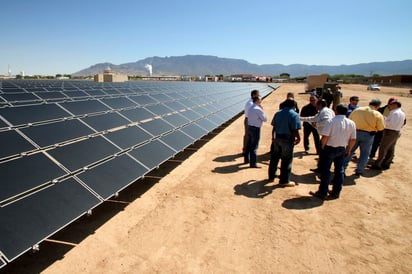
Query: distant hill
pixel 212 65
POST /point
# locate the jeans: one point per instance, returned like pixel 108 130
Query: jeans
pixel 335 155
pixel 281 150
pixel 364 141
pixel 253 136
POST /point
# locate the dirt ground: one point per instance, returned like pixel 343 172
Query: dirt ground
pixel 213 214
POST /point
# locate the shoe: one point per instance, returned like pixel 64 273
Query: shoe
pixel 288 184
pixel 333 195
pixel 376 167
pixel 316 170
pixel 385 167
pixel 357 173
pixel 306 152
pixel 317 194
pixel 255 167
pixel 270 180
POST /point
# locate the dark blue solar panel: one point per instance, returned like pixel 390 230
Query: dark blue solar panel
pixel 176 119
pixel 156 127
pixel 51 95
pixel 112 176
pixel 11 97
pixel 137 114
pixel 58 132
pixel 118 103
pixel 26 173
pixel 128 137
pixel 76 94
pixel 152 154
pixel 206 124
pixel 105 121
pixel 177 140
pixel 84 107
pixel 195 131
pixel 30 114
pixel 12 143
pixel 143 99
pixel 28 221
pixel 159 109
pixel 83 153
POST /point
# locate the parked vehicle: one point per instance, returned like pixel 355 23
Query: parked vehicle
pixel 374 87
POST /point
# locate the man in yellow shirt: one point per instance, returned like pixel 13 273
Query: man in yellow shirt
pixel 368 121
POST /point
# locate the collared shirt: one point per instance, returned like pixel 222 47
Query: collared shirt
pixel 351 109
pixel 285 121
pixel 395 120
pixel 339 130
pixel 256 116
pixel 368 119
pixel 248 104
pixel 324 115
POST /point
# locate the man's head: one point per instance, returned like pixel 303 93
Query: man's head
pixel 257 100
pixel 289 103
pixel 341 109
pixel 354 100
pixel 375 103
pixel 321 104
pixel 290 95
pixel 254 93
pixel 395 104
pixel 313 100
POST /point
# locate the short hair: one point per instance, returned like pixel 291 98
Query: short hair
pixel 254 92
pixel 290 94
pixel 289 103
pixel 321 102
pixel 396 102
pixel 375 102
pixel 341 109
pixel 354 98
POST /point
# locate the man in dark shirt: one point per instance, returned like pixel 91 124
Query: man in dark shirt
pixel 307 111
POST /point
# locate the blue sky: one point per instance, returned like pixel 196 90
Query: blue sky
pixel 50 37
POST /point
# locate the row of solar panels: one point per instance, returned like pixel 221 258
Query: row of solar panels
pixel 60 159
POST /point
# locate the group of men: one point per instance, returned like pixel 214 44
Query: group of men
pixel 337 134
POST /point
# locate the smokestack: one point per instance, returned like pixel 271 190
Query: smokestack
pixel 149 68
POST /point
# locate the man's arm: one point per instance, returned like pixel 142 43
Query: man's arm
pixel 297 136
pixel 350 146
pixel 324 141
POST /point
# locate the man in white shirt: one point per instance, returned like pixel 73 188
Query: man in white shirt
pixel 393 125
pixel 249 103
pixel 338 139
pixel 324 115
pixel 256 117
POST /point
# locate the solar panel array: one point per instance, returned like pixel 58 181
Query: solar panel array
pixel 68 146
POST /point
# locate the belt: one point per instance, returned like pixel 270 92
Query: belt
pixel 370 132
pixel 253 126
pixel 392 130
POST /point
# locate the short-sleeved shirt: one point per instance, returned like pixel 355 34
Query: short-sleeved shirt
pixel 368 119
pixel 339 130
pixel 285 121
pixel 395 120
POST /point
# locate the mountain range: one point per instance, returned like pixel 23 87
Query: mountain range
pixel 212 65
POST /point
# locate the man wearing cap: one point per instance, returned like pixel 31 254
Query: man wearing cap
pixel 368 121
pixel 393 125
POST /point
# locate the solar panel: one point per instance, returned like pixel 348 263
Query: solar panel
pixel 112 176
pixel 67 146
pixel 105 121
pixel 83 153
pixel 128 137
pixel 23 115
pixel 57 132
pixel 137 114
pixel 177 140
pixel 152 154
pixel 84 107
pixel 12 144
pixel 156 127
pixel 28 221
pixel 26 173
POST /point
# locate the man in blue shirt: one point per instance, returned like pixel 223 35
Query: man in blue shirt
pixel 256 117
pixel 285 135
